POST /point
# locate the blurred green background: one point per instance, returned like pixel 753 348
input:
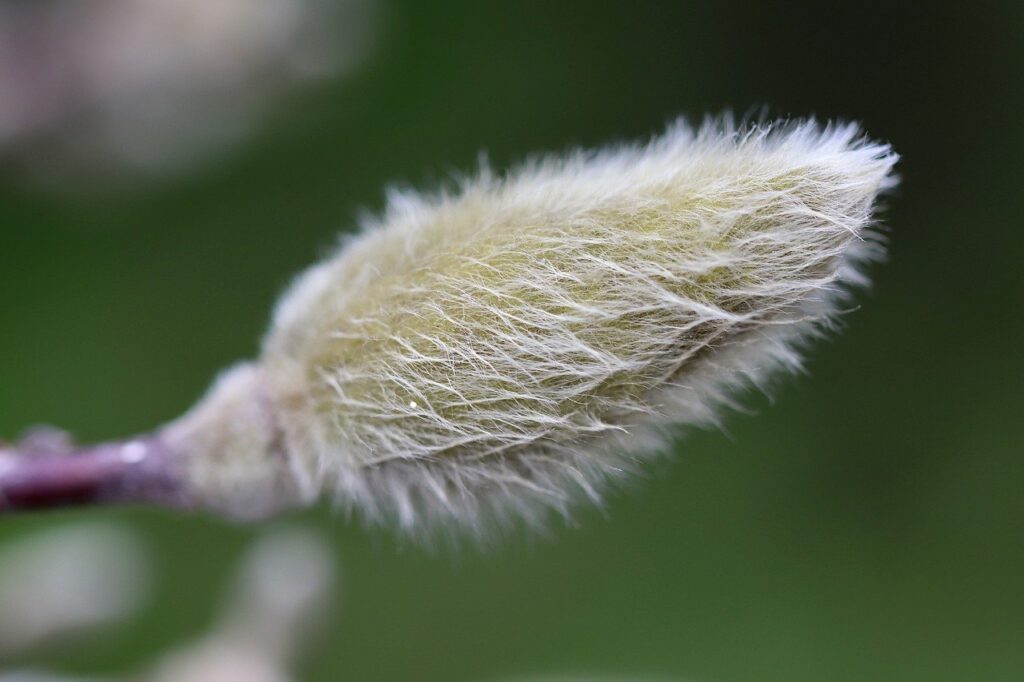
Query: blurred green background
pixel 867 524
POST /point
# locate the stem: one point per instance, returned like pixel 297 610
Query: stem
pixel 122 472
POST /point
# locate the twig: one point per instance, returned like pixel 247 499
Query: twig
pixel 138 470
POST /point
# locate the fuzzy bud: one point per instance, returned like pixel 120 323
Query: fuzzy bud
pixel 496 352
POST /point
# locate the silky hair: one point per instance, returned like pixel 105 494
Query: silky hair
pixel 496 351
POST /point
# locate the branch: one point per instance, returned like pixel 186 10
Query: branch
pixel 137 470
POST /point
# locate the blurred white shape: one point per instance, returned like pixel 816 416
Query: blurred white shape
pixel 584 678
pixel 35 676
pixel 66 581
pixel 276 604
pixel 154 85
pixel 219 661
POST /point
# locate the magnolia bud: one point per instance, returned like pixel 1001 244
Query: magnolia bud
pixel 495 352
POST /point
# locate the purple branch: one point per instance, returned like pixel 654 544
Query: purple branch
pixel 138 470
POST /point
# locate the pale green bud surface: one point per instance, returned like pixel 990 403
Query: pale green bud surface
pixel 495 352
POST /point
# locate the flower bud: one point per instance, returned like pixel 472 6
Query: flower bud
pixel 497 351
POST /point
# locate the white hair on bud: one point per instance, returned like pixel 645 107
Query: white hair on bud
pixel 492 353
